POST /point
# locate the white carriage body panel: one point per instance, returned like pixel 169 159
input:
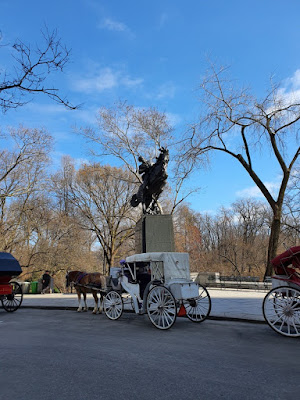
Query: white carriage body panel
pixel 282 280
pixel 183 289
pixel 175 265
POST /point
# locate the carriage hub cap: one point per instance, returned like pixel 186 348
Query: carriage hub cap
pixel 288 311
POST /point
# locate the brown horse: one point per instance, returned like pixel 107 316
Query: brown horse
pixel 87 283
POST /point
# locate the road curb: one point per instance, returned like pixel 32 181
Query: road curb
pixel 211 317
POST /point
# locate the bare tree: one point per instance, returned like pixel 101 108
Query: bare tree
pixel 291 220
pixel 28 75
pixel 47 238
pixel 188 236
pixel 23 165
pixel 237 124
pixel 61 184
pixel 126 133
pixel 252 217
pixel 101 195
pixel 22 173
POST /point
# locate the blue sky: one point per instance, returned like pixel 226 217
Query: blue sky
pixel 154 54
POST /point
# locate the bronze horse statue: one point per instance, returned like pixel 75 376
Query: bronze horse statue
pixel 87 283
pixel 154 178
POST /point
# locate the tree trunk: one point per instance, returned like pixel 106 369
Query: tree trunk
pixel 273 240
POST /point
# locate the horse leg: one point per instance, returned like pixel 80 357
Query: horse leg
pixel 85 304
pixel 95 310
pixel 79 309
pixel 100 303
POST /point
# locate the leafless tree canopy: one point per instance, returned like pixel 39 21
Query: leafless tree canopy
pixel 22 175
pixel 126 133
pixel 30 71
pixel 236 123
pixel 100 195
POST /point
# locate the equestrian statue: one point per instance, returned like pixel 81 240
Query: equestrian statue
pixel 154 178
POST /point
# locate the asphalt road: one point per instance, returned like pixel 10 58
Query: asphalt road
pixel 48 354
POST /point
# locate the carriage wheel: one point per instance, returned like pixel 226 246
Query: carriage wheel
pixel 281 309
pixel 11 302
pixel 113 305
pixel 161 307
pixel 198 308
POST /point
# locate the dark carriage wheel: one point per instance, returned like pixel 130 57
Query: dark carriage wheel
pixel 11 302
pixel 198 309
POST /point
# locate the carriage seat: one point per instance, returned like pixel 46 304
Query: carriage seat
pixel 128 276
pixel 114 277
pixel 143 278
pixel 115 283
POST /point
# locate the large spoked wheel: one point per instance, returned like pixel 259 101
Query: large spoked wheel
pixel 11 302
pixel 281 309
pixel 113 305
pixel 161 307
pixel 198 308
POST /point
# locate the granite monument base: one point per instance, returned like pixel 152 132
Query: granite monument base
pixel 154 233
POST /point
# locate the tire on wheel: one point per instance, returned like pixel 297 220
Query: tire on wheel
pixel 281 309
pixel 113 305
pixel 198 308
pixel 161 307
pixel 11 302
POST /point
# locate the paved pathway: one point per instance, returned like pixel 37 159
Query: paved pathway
pixel 226 303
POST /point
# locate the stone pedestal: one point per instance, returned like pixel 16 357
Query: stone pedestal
pixel 154 233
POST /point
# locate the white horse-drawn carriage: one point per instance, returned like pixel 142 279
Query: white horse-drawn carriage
pixel 159 285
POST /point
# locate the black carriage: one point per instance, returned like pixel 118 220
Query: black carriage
pixel 11 294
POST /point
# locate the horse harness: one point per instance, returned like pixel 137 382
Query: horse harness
pixel 79 277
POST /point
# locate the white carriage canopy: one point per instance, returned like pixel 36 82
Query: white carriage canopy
pixel 175 265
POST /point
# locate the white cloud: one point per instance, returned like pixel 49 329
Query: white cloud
pixel 286 97
pixel 112 25
pixel 88 115
pixel 166 90
pixel 106 79
pixel 130 82
pixel 115 26
pixel 253 191
pixel 174 119
pixel 41 108
pixel 289 93
pixel 294 81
